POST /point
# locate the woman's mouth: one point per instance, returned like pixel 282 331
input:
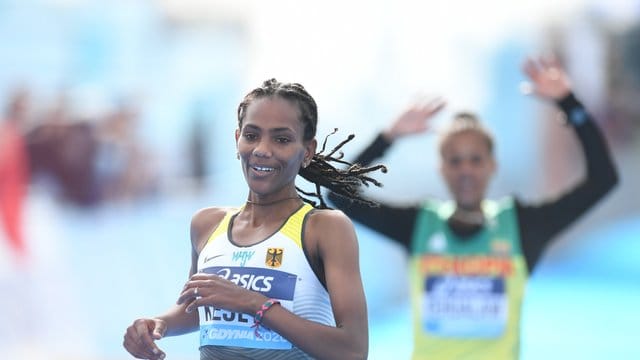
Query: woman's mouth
pixel 263 169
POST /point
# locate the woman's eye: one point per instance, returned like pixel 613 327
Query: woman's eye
pixel 455 161
pixel 282 140
pixel 250 136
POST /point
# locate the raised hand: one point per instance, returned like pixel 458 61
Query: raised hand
pixel 414 120
pixel 547 78
pixel 139 340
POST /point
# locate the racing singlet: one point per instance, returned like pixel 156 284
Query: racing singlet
pixel 276 267
pixel 467 293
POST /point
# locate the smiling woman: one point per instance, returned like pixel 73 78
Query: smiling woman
pixel 270 278
pixel 272 149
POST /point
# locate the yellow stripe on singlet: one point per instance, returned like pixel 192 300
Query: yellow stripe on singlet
pixel 293 227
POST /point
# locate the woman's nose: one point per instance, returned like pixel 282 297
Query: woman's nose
pixel 466 166
pixel 262 150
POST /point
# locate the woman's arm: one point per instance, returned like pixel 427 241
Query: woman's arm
pixel 330 234
pixel 394 222
pixel 539 223
pixel 140 337
pixel 414 120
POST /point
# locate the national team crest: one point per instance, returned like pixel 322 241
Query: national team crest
pixel 274 257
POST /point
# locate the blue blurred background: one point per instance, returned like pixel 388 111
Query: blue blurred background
pixel 128 111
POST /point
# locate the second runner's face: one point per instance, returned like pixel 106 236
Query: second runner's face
pixel 271 146
pixel 467 166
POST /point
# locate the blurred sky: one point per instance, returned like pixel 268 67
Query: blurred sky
pixel 184 61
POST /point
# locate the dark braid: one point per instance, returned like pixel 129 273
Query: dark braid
pixel 344 182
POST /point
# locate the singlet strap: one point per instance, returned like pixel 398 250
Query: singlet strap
pixel 293 227
pixel 223 226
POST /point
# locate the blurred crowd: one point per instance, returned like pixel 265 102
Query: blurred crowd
pixel 85 160
pixel 81 160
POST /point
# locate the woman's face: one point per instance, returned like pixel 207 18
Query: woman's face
pixel 271 146
pixel 467 166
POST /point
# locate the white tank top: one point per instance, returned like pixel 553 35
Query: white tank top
pixel 276 267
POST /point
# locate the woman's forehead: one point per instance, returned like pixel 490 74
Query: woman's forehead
pixel 468 140
pixel 273 113
pixel 273 107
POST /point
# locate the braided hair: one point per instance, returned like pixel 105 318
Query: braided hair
pixel 320 171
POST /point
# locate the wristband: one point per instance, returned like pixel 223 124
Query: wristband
pixel 574 112
pixel 577 116
pixel 257 318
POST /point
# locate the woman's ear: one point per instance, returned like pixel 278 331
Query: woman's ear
pixel 237 138
pixel 309 152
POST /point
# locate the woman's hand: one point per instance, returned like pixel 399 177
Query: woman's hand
pixel 414 120
pixel 213 290
pixel 547 78
pixel 139 340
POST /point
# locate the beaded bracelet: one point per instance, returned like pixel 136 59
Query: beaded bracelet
pixel 257 318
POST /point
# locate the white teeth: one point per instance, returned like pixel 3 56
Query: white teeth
pixel 260 168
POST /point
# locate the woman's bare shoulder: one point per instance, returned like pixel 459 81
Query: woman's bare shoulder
pixel 205 220
pixel 329 221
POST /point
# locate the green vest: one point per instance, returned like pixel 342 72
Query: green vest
pixel 467 293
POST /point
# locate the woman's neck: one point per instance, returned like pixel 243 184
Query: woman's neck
pixel 470 217
pixel 271 202
pixel 258 212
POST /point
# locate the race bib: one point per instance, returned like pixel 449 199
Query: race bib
pixel 464 306
pixel 226 328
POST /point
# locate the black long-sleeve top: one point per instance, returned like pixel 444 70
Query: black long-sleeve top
pixel 538 223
